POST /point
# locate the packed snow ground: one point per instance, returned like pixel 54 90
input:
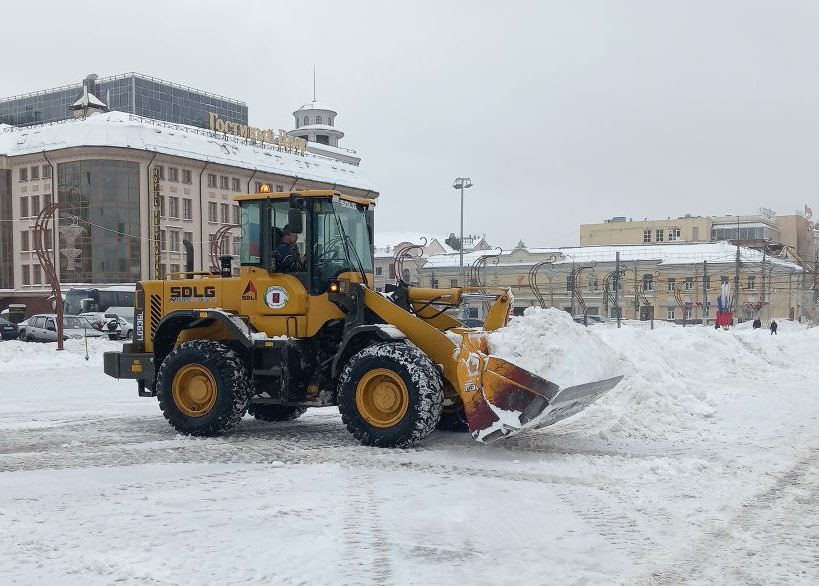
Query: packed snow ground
pixel 701 467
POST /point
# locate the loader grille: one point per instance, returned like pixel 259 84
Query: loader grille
pixel 155 313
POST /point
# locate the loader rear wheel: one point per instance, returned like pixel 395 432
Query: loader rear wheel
pixel 275 412
pixel 203 388
pixel 389 395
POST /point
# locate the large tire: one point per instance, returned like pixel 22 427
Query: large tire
pixel 264 412
pixel 389 395
pixel 203 388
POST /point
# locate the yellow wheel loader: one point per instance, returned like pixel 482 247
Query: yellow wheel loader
pixel 299 325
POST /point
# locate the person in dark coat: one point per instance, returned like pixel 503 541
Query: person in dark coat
pixel 774 327
pixel 288 259
pixel 757 323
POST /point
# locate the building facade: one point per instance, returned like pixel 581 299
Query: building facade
pixel 759 231
pixel 670 282
pixel 114 173
pixel 133 93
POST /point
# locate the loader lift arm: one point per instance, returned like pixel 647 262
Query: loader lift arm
pixel 499 398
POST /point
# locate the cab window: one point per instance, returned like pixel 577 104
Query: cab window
pixel 251 253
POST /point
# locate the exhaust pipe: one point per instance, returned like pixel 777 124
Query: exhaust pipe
pixel 226 265
pixel 188 258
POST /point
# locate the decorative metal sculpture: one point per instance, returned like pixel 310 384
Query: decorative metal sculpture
pixel 476 270
pixel 533 274
pixel 575 276
pixel 608 292
pixel 217 242
pixel 404 253
pixel 47 262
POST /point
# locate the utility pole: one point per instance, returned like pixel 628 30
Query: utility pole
pixel 736 278
pixel 815 263
pixel 764 253
pixel 617 287
pixel 705 292
pixel 790 295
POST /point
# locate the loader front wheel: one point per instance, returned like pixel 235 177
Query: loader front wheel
pixel 275 412
pixel 389 395
pixel 203 388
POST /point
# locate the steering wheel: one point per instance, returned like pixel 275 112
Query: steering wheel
pixel 329 252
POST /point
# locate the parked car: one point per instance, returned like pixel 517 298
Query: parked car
pixel 472 322
pixel 591 320
pixel 43 328
pixel 8 330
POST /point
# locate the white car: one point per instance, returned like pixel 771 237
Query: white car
pixel 43 328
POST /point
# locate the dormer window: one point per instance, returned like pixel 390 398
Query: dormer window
pixel 330 121
pixel 318 119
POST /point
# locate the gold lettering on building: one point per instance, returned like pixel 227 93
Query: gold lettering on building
pixel 287 143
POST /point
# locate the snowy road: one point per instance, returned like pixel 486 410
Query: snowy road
pixel 702 468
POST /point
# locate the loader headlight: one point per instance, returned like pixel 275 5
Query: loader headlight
pixel 340 286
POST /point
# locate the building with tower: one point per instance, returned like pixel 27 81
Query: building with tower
pixel 136 186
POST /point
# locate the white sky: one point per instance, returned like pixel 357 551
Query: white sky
pixel 562 113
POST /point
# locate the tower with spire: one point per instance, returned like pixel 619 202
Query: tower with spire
pixel 315 122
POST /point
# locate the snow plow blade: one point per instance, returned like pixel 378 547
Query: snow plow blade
pixel 512 400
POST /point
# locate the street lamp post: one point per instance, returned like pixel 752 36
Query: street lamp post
pixel 462 183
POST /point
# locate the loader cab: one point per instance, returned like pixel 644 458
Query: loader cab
pixel 336 235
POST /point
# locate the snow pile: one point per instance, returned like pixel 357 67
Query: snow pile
pixel 675 377
pixel 548 343
pixel 17 356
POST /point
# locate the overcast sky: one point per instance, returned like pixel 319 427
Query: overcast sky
pixel 562 113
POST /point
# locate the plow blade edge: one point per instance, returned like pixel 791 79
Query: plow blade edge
pixel 511 399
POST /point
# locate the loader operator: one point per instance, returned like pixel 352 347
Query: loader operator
pixel 288 259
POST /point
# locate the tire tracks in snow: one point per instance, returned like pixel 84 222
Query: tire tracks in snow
pixel 362 532
pixel 777 529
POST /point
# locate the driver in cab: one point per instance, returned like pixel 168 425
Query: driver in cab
pixel 288 258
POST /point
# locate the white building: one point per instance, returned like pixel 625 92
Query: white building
pixel 102 167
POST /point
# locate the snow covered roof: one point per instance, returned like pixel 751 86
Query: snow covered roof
pixel 92 100
pixel 315 105
pixel 386 243
pixel 667 254
pixel 321 127
pixel 119 129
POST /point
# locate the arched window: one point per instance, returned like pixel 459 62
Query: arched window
pixel 318 119
pixel 330 121
pixel 306 121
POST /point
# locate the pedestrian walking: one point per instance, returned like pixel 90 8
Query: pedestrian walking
pixel 757 323
pixel 774 327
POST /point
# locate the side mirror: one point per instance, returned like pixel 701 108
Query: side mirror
pixel 294 220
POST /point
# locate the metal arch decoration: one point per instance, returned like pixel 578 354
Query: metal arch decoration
pixel 533 283
pixel 608 293
pixel 476 269
pixel 575 277
pixel 403 254
pixel 216 244
pixel 641 288
pixel 47 262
